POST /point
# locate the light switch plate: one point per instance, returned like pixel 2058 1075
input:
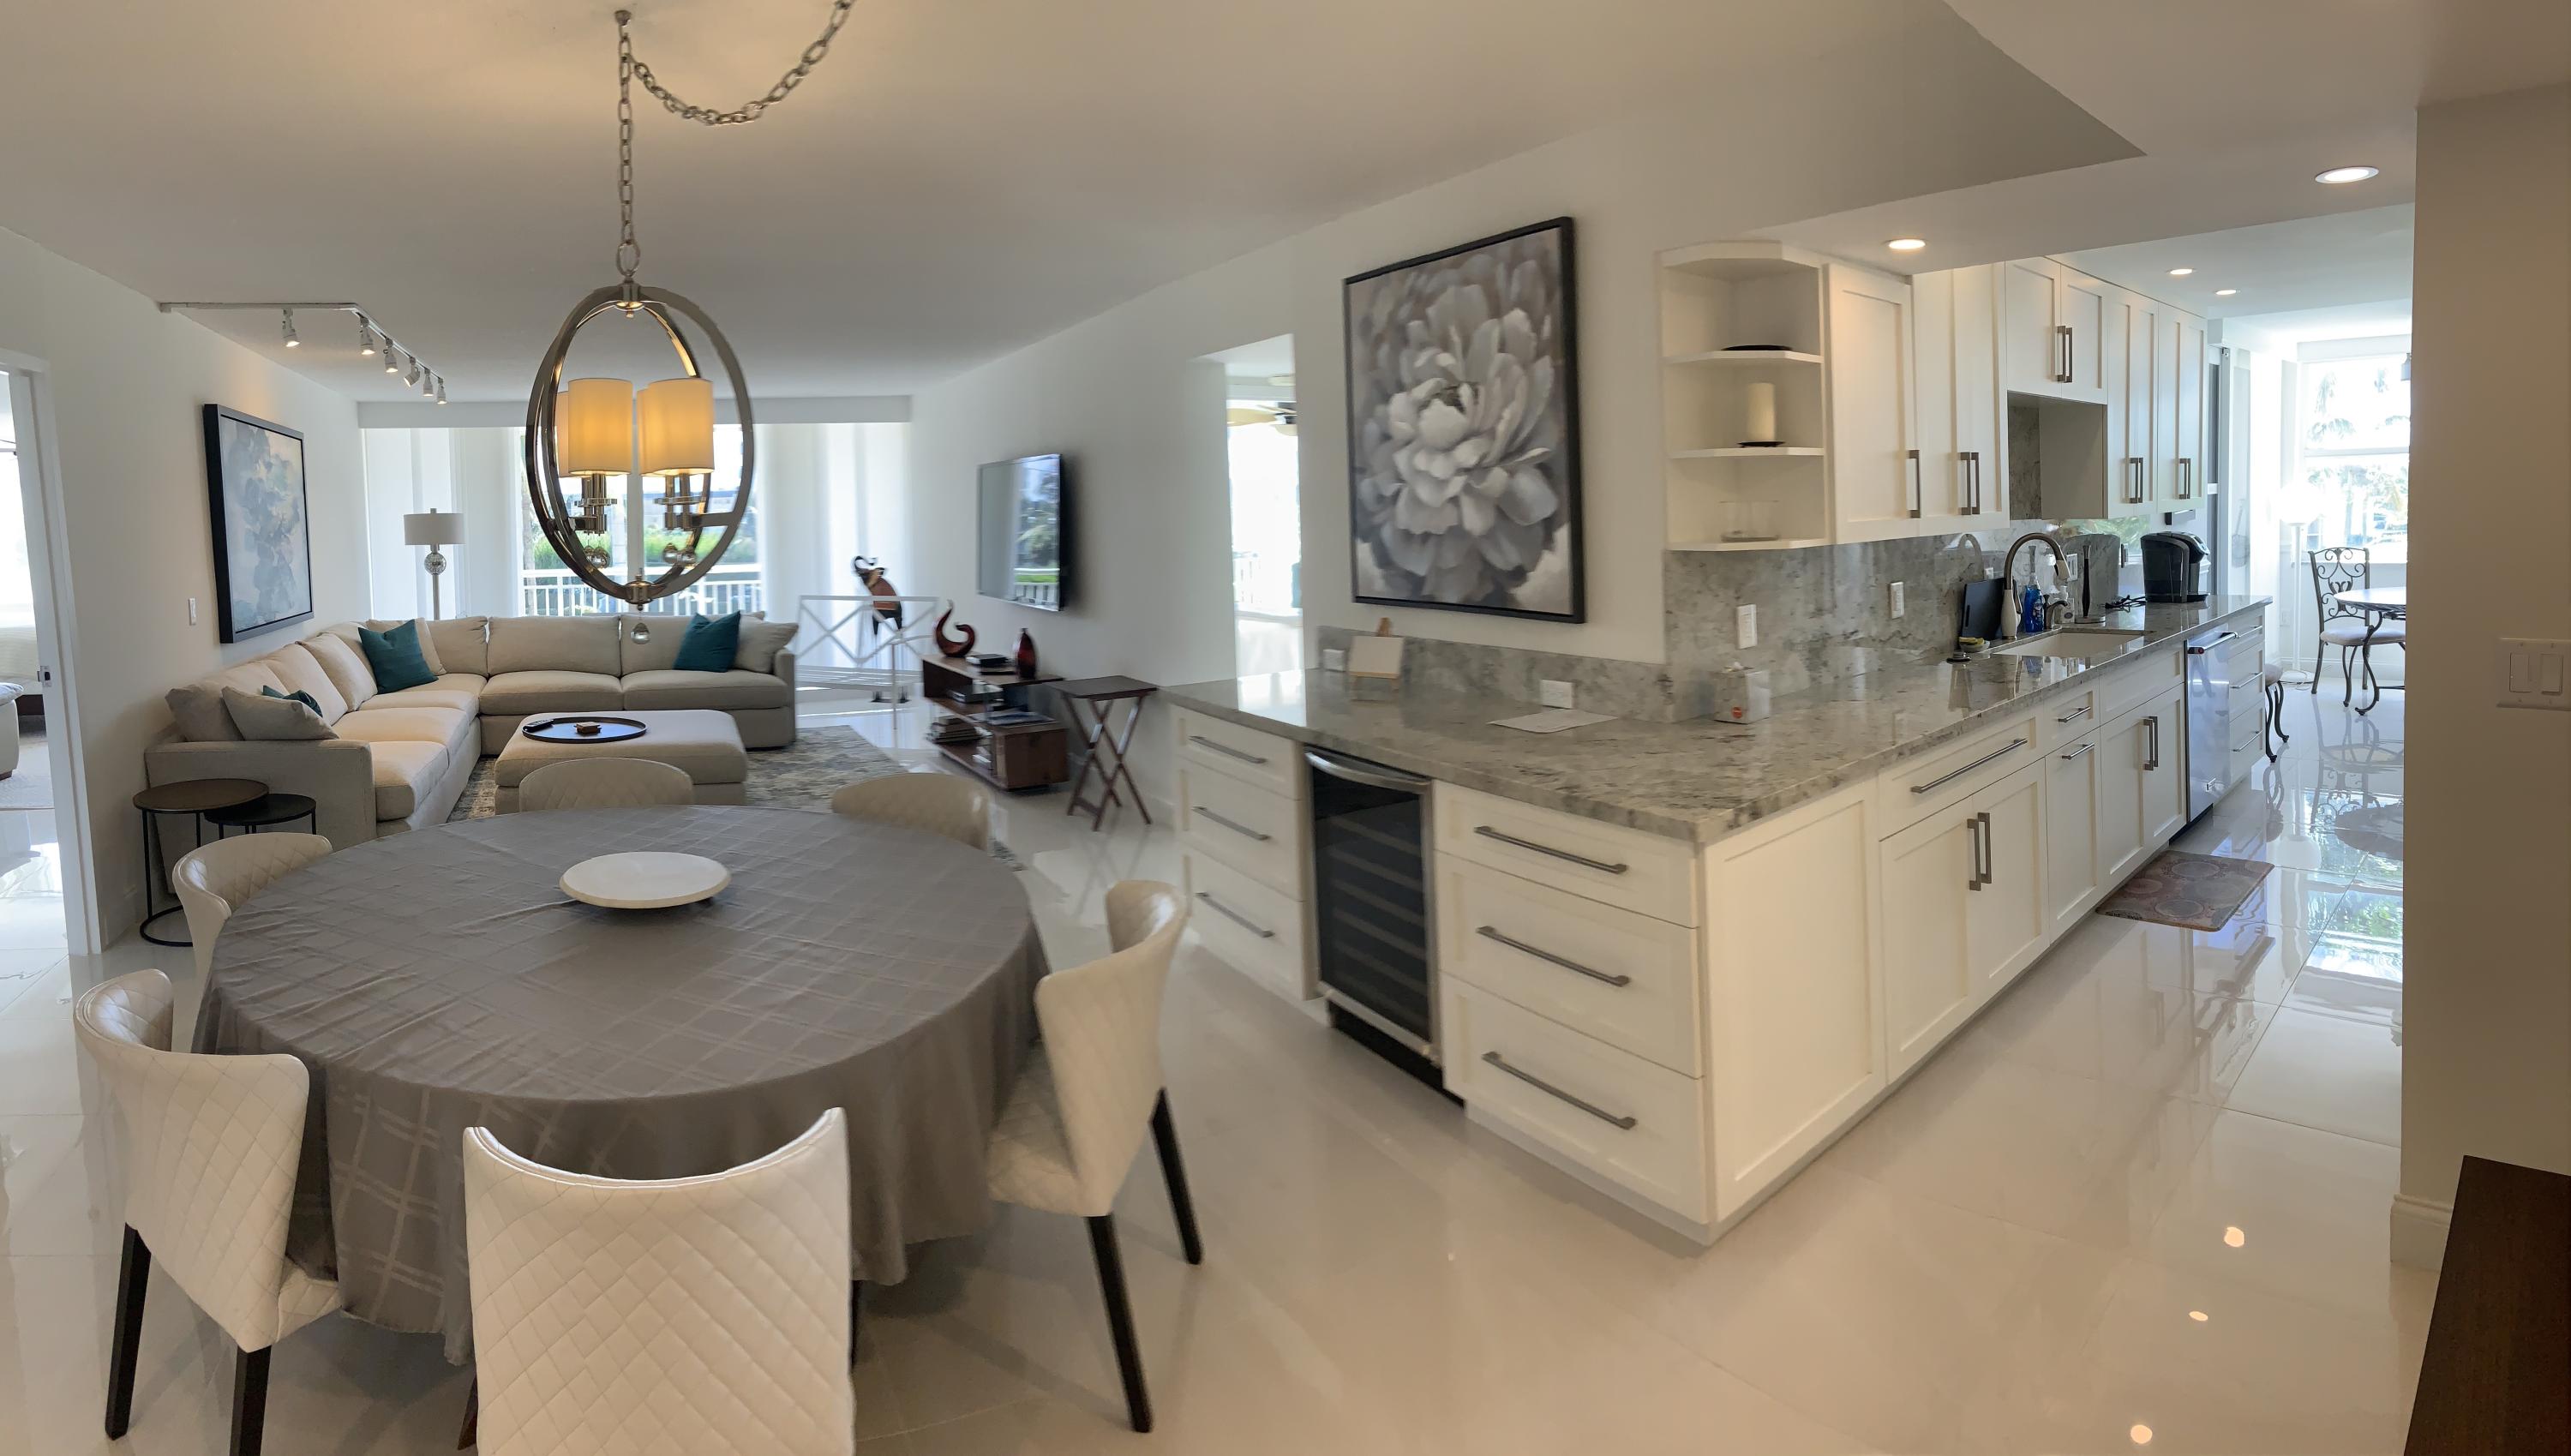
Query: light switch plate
pixel 2532 672
pixel 1897 608
pixel 1553 694
pixel 1745 627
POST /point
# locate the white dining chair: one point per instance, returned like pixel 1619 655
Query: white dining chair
pixel 215 879
pixel 209 1148
pixel 691 1316
pixel 605 784
pixel 940 803
pixel 1074 1122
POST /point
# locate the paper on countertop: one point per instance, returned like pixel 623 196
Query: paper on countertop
pixel 1551 721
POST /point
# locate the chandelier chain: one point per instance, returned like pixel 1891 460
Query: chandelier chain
pixel 629 253
pixel 747 111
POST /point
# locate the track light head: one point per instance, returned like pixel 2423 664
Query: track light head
pixel 392 358
pixel 365 340
pixel 441 391
pixel 292 341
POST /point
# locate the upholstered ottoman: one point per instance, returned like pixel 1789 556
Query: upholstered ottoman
pixel 699 742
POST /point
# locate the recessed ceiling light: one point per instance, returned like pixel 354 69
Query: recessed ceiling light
pixel 2199 1316
pixel 2180 273
pixel 2337 174
pixel 2225 293
pixel 1907 244
pixel 2140 1435
pixel 2235 1238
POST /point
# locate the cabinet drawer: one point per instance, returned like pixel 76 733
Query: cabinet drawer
pixel 1603 862
pixel 1627 979
pixel 1244 754
pixel 1255 832
pixel 2127 683
pixel 1635 1124
pixel 2065 718
pixel 1914 788
pixel 1252 927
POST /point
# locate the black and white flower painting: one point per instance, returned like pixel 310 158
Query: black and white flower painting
pixel 1464 428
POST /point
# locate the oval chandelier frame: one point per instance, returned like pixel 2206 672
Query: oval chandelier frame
pixel 544 480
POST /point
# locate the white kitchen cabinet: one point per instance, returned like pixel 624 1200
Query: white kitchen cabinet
pixel 2071 869
pixel 2187 337
pixel 1877 476
pixel 2164 777
pixel 1927 872
pixel 2129 415
pixel 2052 330
pixel 2007 921
pixel 2141 783
pixel 1794 989
pixel 1962 427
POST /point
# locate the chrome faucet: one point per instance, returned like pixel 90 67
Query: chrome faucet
pixel 2053 605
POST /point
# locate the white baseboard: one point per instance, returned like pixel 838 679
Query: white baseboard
pixel 2419 1232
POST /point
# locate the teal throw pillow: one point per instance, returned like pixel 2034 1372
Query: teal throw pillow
pixel 297 695
pixel 394 657
pixel 711 644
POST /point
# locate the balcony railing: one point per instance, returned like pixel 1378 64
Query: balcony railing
pixel 557 592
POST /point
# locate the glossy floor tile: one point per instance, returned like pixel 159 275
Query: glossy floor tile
pixel 2011 1255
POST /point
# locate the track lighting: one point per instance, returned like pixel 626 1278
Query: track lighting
pixel 441 391
pixel 292 341
pixel 372 340
pixel 365 339
pixel 393 359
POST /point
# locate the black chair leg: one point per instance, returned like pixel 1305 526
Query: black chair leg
pixel 856 1311
pixel 1120 1319
pixel 469 1435
pixel 249 1402
pixel 1174 1172
pixel 132 1280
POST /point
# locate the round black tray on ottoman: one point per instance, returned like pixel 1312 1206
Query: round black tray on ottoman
pixel 566 730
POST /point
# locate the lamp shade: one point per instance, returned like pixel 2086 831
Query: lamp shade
pixel 676 427
pixel 594 427
pixel 433 528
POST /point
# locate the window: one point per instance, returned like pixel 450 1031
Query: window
pixel 549 588
pixel 2353 438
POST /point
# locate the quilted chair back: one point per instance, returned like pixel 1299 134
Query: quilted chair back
pixel 1102 1036
pixel 214 880
pixel 210 1148
pixel 696 1317
pixel 940 803
pixel 605 784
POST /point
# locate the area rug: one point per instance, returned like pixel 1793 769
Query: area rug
pixel 2191 892
pixel 801 776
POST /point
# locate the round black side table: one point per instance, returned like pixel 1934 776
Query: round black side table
pixel 196 797
pixel 266 813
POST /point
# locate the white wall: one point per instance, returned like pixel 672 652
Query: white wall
pixel 127 385
pixel 1917 111
pixel 2486 1065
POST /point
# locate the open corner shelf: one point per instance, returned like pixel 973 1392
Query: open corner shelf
pixel 1744 357
pixel 1750 452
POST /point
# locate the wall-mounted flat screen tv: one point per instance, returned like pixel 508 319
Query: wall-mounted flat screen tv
pixel 1025 539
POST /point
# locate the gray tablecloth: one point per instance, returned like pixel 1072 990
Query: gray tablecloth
pixel 439 980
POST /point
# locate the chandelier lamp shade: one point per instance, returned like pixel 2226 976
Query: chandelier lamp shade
pixel 589 432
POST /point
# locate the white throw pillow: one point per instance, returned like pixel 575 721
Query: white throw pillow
pixel 760 640
pixel 265 719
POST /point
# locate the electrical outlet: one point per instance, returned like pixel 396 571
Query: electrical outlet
pixel 192 611
pixel 1897 608
pixel 1745 627
pixel 1553 694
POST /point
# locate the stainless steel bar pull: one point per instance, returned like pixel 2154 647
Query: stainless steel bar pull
pixel 1238 918
pixel 1227 750
pixel 1990 855
pixel 2152 760
pixel 2078 751
pixel 1539 1084
pixel 1918 489
pixel 1492 932
pixel 2075 715
pixel 1487 833
pixel 1233 824
pixel 2011 747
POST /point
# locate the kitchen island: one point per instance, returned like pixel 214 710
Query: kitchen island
pixel 1679 959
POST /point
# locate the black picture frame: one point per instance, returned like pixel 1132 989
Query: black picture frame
pixel 1565 476
pixel 270 603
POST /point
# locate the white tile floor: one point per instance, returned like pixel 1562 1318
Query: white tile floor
pixel 2142 1200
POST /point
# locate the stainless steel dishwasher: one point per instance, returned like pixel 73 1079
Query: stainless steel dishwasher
pixel 2213 660
pixel 1372 936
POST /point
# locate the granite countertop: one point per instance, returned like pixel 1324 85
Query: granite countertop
pixel 1698 781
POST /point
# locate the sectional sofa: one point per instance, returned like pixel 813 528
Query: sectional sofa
pixel 399 761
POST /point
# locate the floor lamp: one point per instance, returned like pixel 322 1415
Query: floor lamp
pixel 432 529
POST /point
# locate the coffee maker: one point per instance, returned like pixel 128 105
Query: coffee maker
pixel 2174 567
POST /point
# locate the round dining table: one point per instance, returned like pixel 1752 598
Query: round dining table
pixel 2377 605
pixel 440 980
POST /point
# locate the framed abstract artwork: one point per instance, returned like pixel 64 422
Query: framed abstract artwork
pixel 262 527
pixel 1464 428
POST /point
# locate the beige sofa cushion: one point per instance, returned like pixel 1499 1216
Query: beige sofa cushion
pixel 761 642
pixel 346 665
pixel 455 689
pixel 554 644
pixel 462 643
pixel 199 709
pixel 405 770
pixel 443 726
pixel 551 691
pixel 265 719
pixel 654 655
pixel 735 689
pixel 301 672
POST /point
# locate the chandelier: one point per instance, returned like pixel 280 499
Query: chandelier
pixel 590 429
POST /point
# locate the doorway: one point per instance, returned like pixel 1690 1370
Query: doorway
pixel 1265 477
pixel 46 880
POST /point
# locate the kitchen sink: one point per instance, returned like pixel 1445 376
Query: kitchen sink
pixel 2070 641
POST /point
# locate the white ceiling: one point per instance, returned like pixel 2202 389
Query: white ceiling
pixel 955 181
pixel 2306 325
pixel 2309 262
